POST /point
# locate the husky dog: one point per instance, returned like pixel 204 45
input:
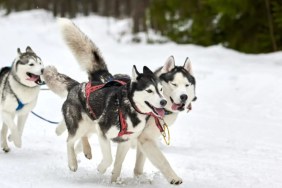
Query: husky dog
pixel 179 89
pixel 115 111
pixel 19 88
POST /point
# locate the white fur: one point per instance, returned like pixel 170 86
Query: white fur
pixel 27 94
pixel 175 92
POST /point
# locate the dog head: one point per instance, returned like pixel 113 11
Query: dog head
pixel 178 83
pixel 147 92
pixel 28 68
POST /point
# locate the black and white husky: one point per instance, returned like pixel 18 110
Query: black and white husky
pixel 179 90
pixel 115 111
pixel 19 88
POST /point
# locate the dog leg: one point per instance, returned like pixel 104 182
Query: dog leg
pixel 72 161
pixel 21 123
pixel 86 148
pixel 78 147
pixel 61 128
pixel 122 150
pixel 8 119
pixel 4 143
pixel 140 162
pixel 154 154
pixel 107 160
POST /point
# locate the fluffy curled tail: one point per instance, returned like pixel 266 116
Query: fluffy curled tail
pixel 57 82
pixel 85 51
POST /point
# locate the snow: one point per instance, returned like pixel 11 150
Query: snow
pixel 232 137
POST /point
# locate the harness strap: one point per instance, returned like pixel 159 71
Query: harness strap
pixel 20 104
pixel 123 125
pixel 89 89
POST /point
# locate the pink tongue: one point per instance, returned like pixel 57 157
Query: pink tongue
pixel 33 78
pixel 160 111
pixel 175 106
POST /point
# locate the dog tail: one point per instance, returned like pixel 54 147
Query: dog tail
pixel 85 51
pixel 57 82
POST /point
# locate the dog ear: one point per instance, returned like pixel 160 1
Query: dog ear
pixel 169 65
pixel 188 66
pixel 146 70
pixel 19 51
pixel 28 49
pixel 135 73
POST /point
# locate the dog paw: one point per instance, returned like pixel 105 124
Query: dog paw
pixel 117 180
pixel 73 167
pixel 6 149
pixel 176 181
pixel 16 139
pixel 88 155
pixel 138 172
pixel 114 178
pixel 102 168
pixel 18 142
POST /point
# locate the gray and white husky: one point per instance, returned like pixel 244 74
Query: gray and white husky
pixel 106 110
pixel 19 88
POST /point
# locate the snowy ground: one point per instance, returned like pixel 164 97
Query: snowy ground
pixel 232 138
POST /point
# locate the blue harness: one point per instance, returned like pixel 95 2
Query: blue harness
pixel 20 104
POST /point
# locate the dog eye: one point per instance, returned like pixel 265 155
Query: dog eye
pixel 187 85
pixel 173 84
pixel 149 91
pixel 31 64
pixel 161 89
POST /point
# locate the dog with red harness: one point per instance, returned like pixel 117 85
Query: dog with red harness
pixel 115 110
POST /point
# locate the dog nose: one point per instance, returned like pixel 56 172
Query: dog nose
pixel 42 70
pixel 183 97
pixel 163 102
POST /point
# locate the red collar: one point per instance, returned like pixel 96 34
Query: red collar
pixel 157 120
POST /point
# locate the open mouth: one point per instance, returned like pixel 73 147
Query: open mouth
pixel 34 78
pixel 157 111
pixel 176 106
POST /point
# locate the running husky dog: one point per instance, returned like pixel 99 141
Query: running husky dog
pixel 179 89
pixel 19 88
pixel 116 110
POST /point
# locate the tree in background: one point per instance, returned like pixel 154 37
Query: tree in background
pixel 250 26
pixel 244 25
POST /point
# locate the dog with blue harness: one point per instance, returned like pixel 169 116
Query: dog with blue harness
pixel 19 89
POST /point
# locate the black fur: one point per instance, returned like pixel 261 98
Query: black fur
pixel 169 76
pixel 105 102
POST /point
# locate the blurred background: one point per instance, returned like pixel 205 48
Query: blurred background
pixel 250 26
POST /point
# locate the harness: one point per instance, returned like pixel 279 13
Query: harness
pixel 89 89
pixel 20 104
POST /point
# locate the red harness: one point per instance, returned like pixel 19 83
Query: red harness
pixel 89 89
pixel 123 130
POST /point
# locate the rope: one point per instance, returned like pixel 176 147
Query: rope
pixel 52 122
